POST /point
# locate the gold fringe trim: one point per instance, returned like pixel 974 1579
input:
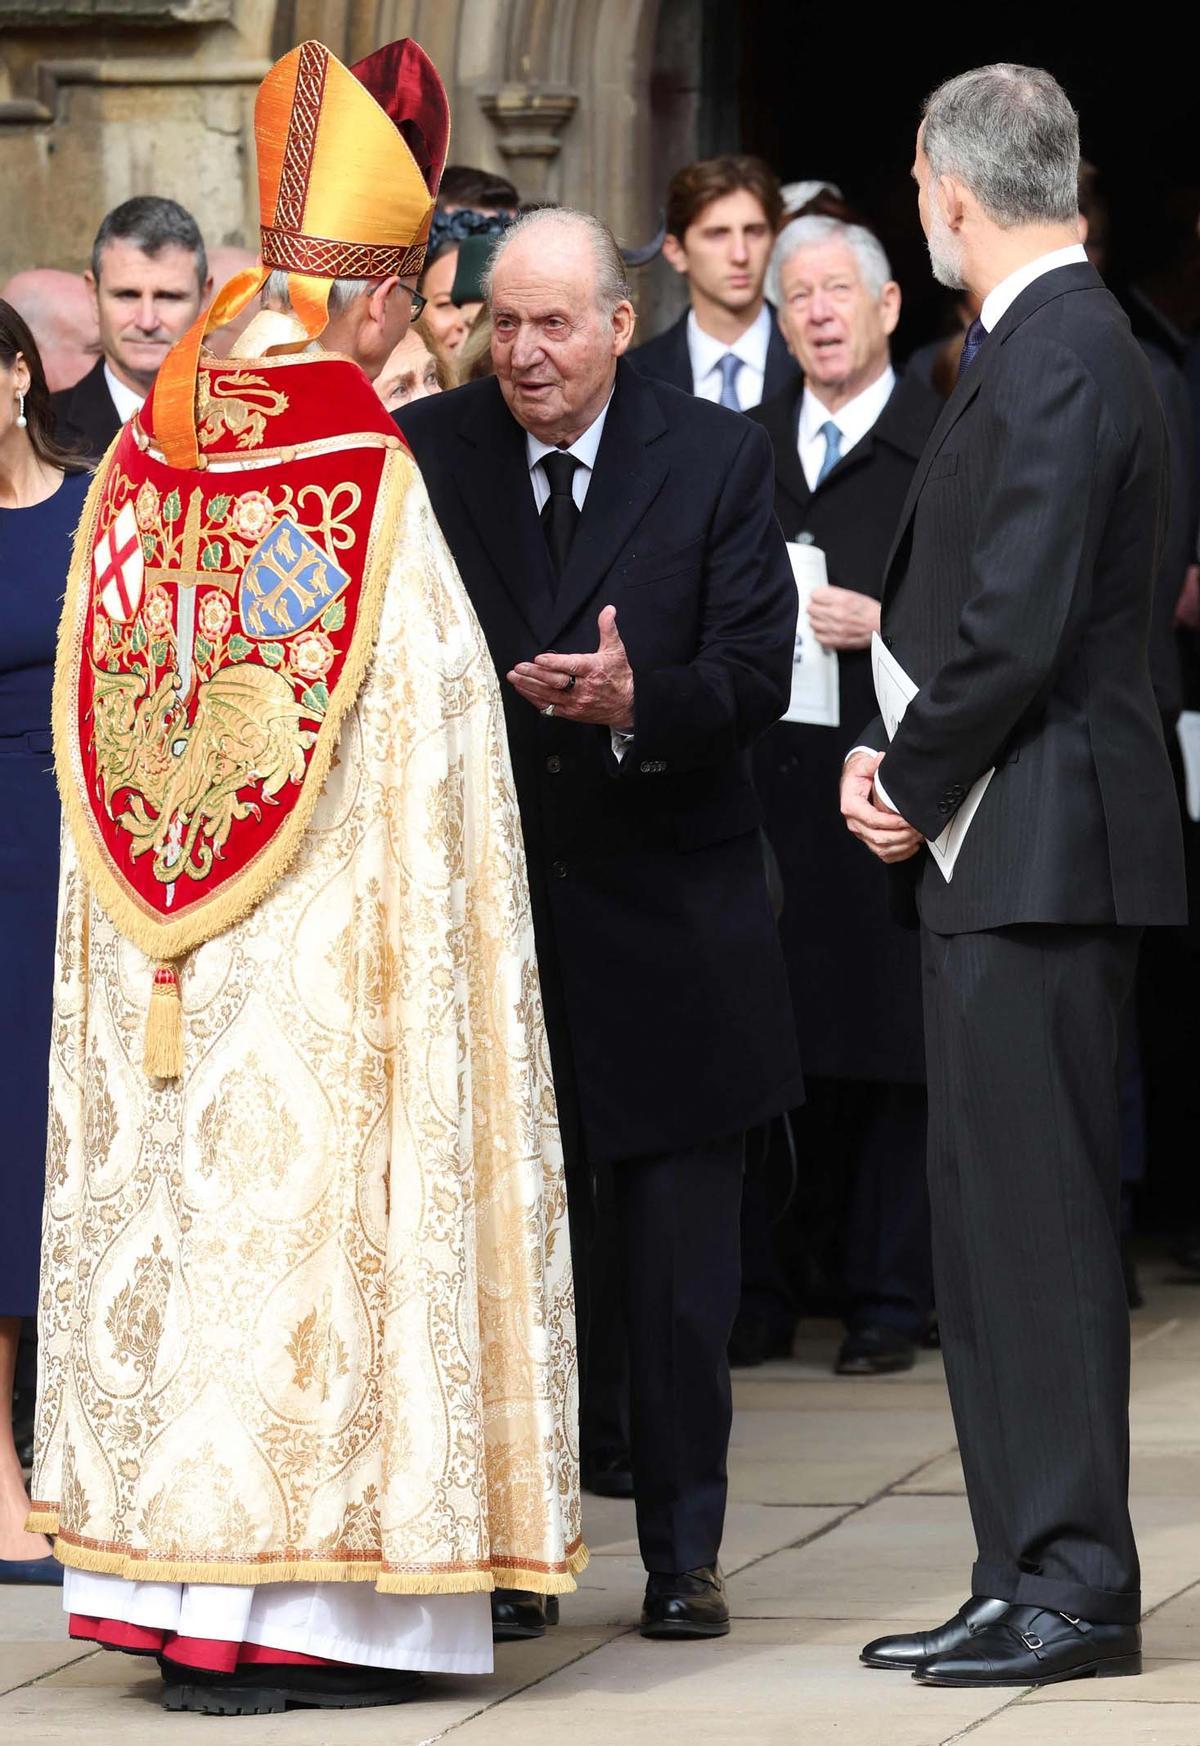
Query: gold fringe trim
pixel 175 939
pixel 111 1561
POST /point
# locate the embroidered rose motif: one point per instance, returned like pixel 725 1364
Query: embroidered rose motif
pixel 251 515
pixel 312 654
pixel 215 615
pixel 145 507
pixel 99 637
pixel 156 610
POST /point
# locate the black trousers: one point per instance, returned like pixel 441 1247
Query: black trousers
pixel 1022 1040
pixel 664 1230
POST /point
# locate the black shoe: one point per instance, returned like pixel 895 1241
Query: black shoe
pixel 754 1340
pixel 266 1691
pixel 875 1351
pixel 906 1653
pixel 691 1604
pixel 518 1614
pixel 1034 1646
pixel 607 1476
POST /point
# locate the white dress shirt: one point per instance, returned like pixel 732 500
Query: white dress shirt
pixel 995 305
pixel 584 450
pixel 123 398
pixel 854 420
pixel 706 353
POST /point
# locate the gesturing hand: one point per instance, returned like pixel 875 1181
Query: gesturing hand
pixel 882 830
pixel 841 618
pixel 596 688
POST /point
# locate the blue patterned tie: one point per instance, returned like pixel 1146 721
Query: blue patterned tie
pixel 729 366
pixel 833 448
pixel 976 334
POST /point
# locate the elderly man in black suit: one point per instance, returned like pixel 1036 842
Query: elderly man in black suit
pixel 644 630
pixel 722 215
pixel 149 279
pixel 847 437
pixel 1018 597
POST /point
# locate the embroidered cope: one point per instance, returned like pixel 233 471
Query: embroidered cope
pixel 306 1309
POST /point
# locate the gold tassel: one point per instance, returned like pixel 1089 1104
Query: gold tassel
pixel 163 1056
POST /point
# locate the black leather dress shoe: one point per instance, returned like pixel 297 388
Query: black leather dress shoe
pixel 875 1351
pixel 689 1604
pixel 1033 1646
pixel 268 1691
pixel 909 1652
pixel 755 1340
pixel 518 1615
pixel 607 1476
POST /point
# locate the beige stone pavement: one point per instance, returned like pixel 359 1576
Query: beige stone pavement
pixel 847 1518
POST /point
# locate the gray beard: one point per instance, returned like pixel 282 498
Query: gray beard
pixel 945 259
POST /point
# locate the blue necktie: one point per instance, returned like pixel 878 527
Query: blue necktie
pixel 833 448
pixel 729 366
pixel 976 334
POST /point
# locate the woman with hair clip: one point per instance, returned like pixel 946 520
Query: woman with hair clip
pixel 42 488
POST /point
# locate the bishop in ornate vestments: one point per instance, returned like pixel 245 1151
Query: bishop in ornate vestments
pixel 307 1385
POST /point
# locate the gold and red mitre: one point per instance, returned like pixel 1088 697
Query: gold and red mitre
pixel 349 161
pixel 230 566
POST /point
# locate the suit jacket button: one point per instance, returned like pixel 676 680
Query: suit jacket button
pixel 888 641
pixel 554 765
pixel 943 807
pixel 559 869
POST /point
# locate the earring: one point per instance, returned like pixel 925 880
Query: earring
pixel 22 421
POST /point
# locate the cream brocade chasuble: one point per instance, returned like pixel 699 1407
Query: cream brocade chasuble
pixel 306 1311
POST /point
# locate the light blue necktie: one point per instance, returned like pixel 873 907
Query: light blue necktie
pixel 729 367
pixel 833 448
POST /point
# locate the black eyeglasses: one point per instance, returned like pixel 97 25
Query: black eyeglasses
pixel 418 302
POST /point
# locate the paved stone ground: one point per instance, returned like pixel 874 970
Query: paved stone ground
pixel 847 1519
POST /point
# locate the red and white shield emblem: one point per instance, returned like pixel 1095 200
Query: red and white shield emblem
pixel 119 565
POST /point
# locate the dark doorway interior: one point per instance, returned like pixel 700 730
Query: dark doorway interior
pixel 836 91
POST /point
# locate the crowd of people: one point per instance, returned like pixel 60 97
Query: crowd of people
pixel 734 1002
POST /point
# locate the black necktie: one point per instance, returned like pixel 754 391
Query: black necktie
pixel 976 334
pixel 560 517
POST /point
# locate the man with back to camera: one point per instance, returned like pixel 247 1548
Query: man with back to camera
pixel 149 279
pixel 722 215
pixel 1018 597
pixel 645 632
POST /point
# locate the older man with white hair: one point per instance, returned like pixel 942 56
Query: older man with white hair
pixel 847 437
pixel 1017 598
pixel 617 541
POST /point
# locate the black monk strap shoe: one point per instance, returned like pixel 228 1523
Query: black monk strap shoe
pixel 875 1351
pixel 267 1691
pixel 907 1653
pixel 690 1604
pixel 518 1615
pixel 1034 1646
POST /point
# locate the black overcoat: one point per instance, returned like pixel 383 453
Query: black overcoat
pixel 666 996
pixel 854 972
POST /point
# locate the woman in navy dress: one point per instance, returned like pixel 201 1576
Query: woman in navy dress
pixel 41 497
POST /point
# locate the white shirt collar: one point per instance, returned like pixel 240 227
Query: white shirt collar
pixel 854 419
pixel 123 398
pixel 1005 294
pixel 706 352
pixel 583 448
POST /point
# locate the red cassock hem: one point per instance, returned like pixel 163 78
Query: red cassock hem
pixel 206 1653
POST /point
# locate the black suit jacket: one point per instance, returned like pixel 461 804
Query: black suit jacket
pixel 855 974
pixel 666 359
pixel 663 978
pixel 1018 596
pixel 84 416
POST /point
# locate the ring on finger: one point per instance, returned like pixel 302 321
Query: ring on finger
pixel 549 709
pixel 570 682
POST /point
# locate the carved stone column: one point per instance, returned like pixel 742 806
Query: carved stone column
pixel 529 120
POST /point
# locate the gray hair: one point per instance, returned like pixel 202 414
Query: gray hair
pixel 151 224
pixel 342 292
pixel 612 283
pixel 1011 135
pixel 874 268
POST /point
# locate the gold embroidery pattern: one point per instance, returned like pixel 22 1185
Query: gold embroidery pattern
pixel 302 136
pixel 135 1319
pixel 236 405
pixel 327 258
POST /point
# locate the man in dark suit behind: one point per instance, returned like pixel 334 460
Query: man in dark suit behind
pixel 722 215
pixel 644 631
pixel 847 439
pixel 149 279
pixel 1018 597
